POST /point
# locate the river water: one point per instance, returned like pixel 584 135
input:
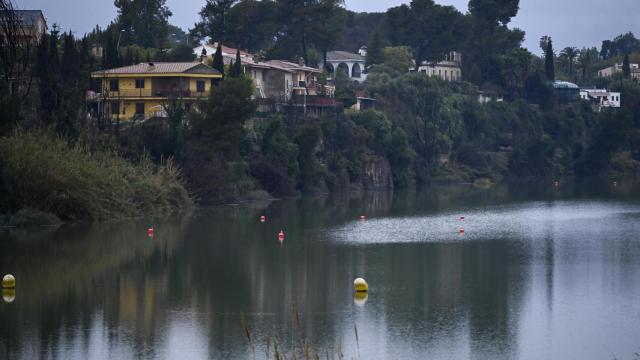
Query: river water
pixel 541 272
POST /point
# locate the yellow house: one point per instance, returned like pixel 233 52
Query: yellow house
pixel 143 91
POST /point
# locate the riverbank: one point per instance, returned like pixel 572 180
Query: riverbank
pixel 46 180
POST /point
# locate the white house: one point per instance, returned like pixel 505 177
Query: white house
pixel 351 63
pixel 228 53
pixel 601 98
pixel 447 69
pixel 617 68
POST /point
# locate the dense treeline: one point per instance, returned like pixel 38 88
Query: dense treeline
pixel 424 129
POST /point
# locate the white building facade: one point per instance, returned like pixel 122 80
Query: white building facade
pixel 601 98
pixel 617 68
pixel 448 69
pixel 350 63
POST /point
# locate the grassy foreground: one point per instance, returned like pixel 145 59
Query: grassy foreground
pixel 45 173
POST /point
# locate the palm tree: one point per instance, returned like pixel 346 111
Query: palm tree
pixel 586 59
pixel 544 43
pixel 570 54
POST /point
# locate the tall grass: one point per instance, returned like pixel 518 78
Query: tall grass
pixel 305 351
pixel 46 173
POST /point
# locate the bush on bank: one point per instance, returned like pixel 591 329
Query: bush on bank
pixel 45 173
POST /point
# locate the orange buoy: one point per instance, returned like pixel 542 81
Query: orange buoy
pixel 281 235
pixel 150 232
pixel 263 219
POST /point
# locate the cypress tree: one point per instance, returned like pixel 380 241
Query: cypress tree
pixel 110 57
pixel 374 49
pixel 203 54
pixel 69 59
pixel 549 65
pixel 232 69
pixel 218 61
pixel 626 67
pixel 238 65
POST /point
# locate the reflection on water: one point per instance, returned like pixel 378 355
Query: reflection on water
pixel 539 273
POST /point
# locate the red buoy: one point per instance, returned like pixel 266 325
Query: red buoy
pixel 362 218
pixel 461 231
pixel 281 235
pixel 462 218
pixel 150 232
pixel 263 219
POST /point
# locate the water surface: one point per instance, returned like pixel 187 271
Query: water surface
pixel 539 273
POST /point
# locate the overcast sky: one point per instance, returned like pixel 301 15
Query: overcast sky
pixel 570 22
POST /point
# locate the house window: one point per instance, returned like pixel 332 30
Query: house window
pixel 139 83
pixel 115 108
pixel 114 85
pixel 139 108
pixel 200 86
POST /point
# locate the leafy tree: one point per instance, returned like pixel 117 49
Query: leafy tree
pixel 145 22
pixel 307 139
pixel 430 30
pixel 276 167
pixel 345 88
pixel 220 126
pixel 253 25
pixel 549 61
pixel 621 44
pixel 489 38
pixel 181 53
pixel 213 20
pixel 306 24
pixel 626 67
pixel 495 13
pixel 398 58
pixel 516 67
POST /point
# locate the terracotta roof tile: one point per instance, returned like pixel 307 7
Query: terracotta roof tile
pixel 161 68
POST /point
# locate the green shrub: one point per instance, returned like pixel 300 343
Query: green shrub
pixel 45 173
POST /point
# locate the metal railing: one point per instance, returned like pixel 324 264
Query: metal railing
pixel 165 93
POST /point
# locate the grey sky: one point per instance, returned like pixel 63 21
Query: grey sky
pixel 570 22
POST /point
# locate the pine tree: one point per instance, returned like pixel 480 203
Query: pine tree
pixel 374 48
pixel 626 67
pixel 549 61
pixel 218 61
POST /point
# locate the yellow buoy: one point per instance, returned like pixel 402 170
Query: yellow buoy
pixel 8 282
pixel 360 285
pixel 8 295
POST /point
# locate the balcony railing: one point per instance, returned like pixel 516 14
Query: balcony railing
pixel 141 93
